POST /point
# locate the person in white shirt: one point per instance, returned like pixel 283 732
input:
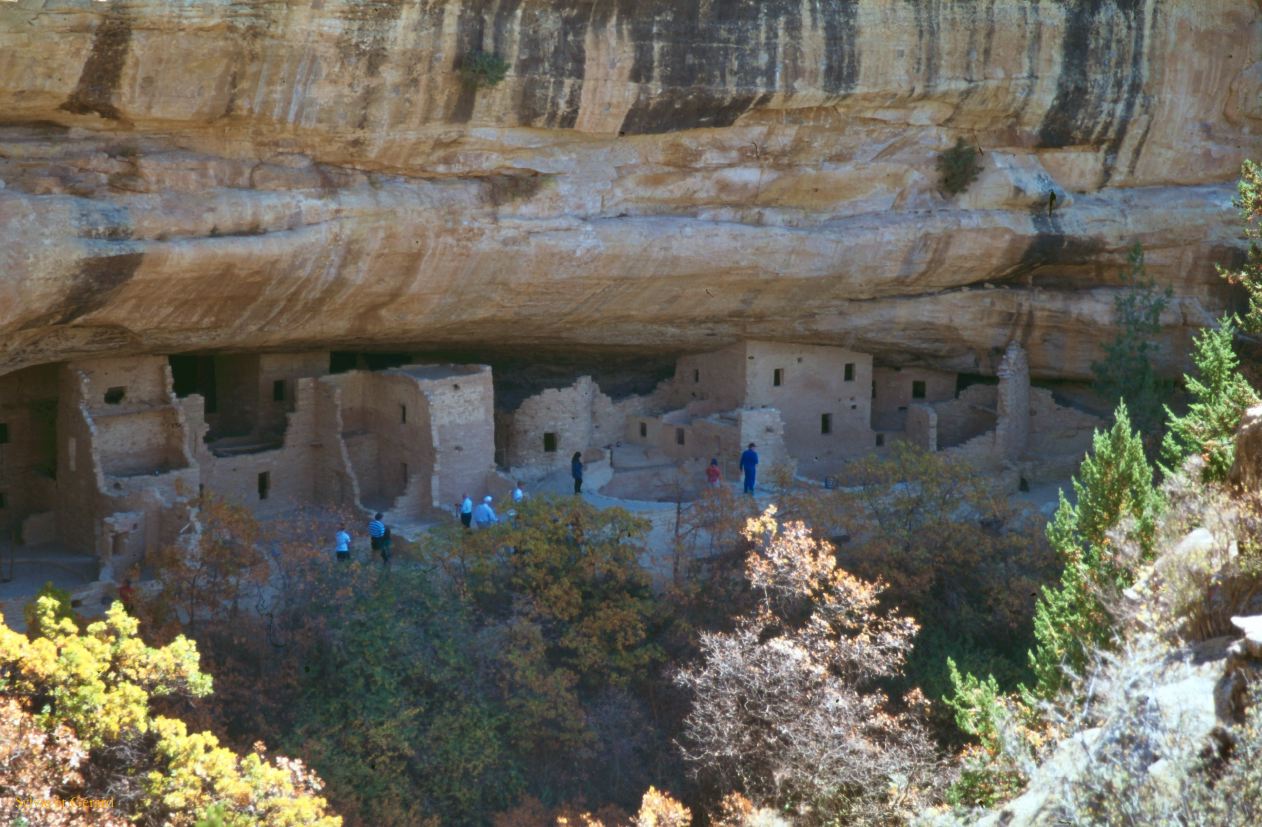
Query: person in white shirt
pixel 343 543
pixel 484 515
pixel 518 494
pixel 466 510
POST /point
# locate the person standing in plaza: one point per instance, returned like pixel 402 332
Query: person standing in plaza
pixel 713 475
pixel 484 515
pixel 749 465
pixel 466 511
pixel 376 532
pixel 342 543
pixel 576 471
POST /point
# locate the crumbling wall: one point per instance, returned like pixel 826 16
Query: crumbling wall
pixel 970 415
pixel 1013 404
pixel 278 375
pixel 922 427
pixel 894 390
pixel 546 429
pixel 387 433
pixel 237 392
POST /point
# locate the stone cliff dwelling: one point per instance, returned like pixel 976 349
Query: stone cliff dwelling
pixel 107 456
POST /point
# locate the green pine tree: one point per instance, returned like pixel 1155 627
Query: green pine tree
pixel 1220 396
pixel 1114 482
pixel 1249 276
pixel 1126 371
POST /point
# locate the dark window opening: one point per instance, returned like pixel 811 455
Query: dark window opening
pixel 550 442
pixel 278 390
pixel 3 502
pixel 825 423
pixel 679 436
pixel 918 389
pixel 777 377
pixel 4 433
pixel 849 372
pixel 644 429
pixel 114 396
pixel 880 440
pixel 341 361
pixel 265 484
pixel 403 414
pixel 403 471
pixel 874 389
pixel 696 375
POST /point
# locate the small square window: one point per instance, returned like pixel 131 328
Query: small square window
pixel 550 443
pixel 278 390
pixel 874 389
pixel 825 423
pixel 403 414
pixel 880 440
pixel 849 372
pixel 4 433
pixel 696 375
pixel 777 377
pixel 644 429
pixel 115 396
pixel 265 484
pixel 679 436
pixel 918 389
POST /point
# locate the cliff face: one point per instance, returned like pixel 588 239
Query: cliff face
pixel 650 173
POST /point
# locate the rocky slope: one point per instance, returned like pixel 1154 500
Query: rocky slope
pixel 651 173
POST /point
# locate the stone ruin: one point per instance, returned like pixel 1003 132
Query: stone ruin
pixel 107 456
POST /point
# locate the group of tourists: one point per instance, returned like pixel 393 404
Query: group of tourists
pixel 483 514
pixel 378 537
pixel 749 467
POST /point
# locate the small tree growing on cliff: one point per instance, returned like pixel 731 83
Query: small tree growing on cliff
pixel 1249 276
pixel 483 69
pixel 959 167
pixel 1126 371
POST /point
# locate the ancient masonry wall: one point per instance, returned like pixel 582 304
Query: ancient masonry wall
pixel 273 481
pixel 895 390
pixel 1012 432
pixel 460 401
pixel 823 395
pixel 972 414
pixel 710 382
pixel 125 476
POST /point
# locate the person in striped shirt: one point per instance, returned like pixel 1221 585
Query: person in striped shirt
pixel 376 531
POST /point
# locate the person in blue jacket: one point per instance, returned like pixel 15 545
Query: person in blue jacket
pixel 749 464
pixel 576 471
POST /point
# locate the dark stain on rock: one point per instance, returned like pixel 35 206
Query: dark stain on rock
pixel 96 280
pixel 364 45
pixel 98 80
pixel 1052 249
pixel 1102 74
pixel 505 189
pixel 718 60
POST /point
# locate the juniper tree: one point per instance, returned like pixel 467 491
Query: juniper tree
pixel 1220 395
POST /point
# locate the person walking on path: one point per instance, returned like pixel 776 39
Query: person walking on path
pixel 342 542
pixel 376 532
pixel 385 549
pixel 749 464
pixel 466 510
pixel 713 476
pixel 484 516
pixel 518 494
pixel 576 471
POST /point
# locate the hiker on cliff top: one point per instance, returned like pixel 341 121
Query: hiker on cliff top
pixel 749 464
pixel 576 471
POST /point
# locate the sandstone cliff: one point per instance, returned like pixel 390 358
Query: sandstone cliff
pixel 651 173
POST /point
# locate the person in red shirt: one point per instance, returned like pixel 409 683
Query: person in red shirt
pixel 713 475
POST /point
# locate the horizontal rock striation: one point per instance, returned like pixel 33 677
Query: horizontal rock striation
pixel 656 174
